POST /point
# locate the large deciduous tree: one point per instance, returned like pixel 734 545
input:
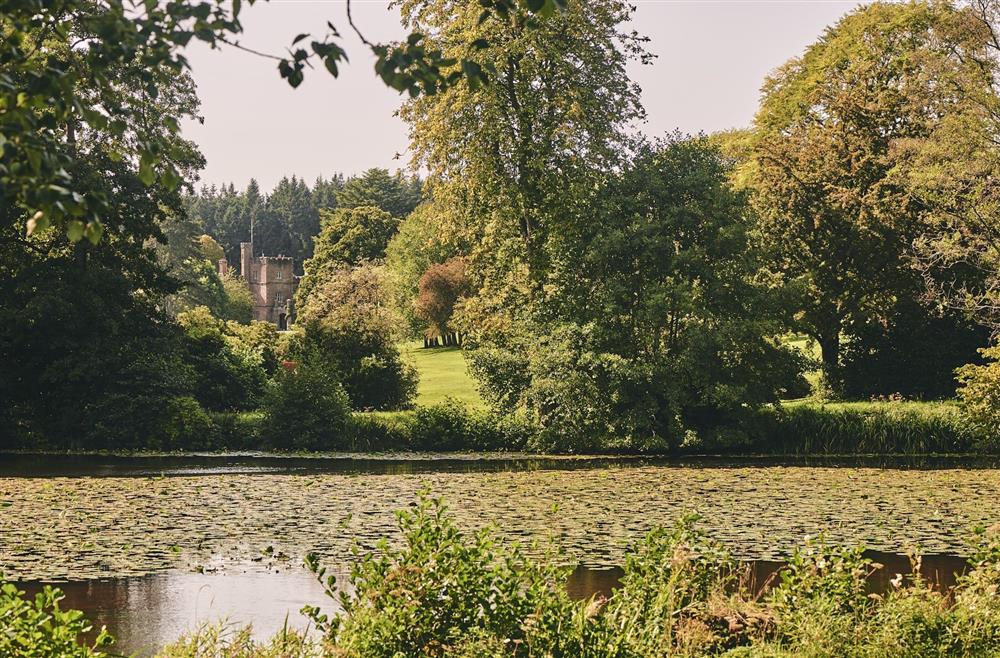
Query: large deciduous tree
pixel 826 158
pixel 515 159
pixel 440 289
pixel 350 236
pixel 60 67
pixel 657 328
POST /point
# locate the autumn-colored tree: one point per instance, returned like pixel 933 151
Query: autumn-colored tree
pixel 441 288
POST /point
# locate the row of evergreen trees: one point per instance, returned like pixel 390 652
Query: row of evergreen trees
pixel 286 221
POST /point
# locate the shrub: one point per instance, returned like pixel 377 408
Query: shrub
pixel 39 628
pixel 451 425
pixel 306 408
pixel 980 394
pixel 348 321
pixel 382 381
pixel 669 599
pixel 186 425
pixel 223 377
pixel 444 593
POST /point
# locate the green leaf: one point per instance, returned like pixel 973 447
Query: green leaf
pixel 74 230
pixel 94 231
pixel 146 173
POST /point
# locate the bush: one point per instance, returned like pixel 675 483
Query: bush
pixel 382 381
pixel 187 426
pixel 348 322
pixel 980 394
pixel 672 595
pixel 39 628
pixel 450 425
pixel 444 593
pixel 306 408
pixel 224 378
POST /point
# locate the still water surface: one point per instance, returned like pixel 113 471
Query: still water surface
pixel 154 546
pixel 146 613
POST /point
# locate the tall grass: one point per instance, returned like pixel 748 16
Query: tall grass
pixel 868 428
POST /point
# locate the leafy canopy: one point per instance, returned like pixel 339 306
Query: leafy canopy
pixel 59 65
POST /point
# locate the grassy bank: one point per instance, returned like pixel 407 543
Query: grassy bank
pixel 908 428
pixel 798 428
pixel 450 415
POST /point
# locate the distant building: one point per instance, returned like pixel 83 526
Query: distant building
pixel 272 283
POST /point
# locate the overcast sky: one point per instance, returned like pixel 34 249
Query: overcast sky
pixel 713 56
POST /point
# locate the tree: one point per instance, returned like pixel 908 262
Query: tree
pixel 656 330
pixel 349 323
pixel 350 236
pixel 826 148
pixel 239 300
pixel 325 191
pixel 211 250
pixel 515 160
pixel 289 222
pixel 421 241
pixel 954 174
pixel 60 62
pixel 395 195
pixel 441 287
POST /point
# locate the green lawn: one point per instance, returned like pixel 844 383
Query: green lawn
pixel 442 374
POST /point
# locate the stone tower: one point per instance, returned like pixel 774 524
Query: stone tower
pixel 272 283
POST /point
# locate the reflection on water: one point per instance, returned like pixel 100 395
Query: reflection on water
pixel 148 612
pixel 42 465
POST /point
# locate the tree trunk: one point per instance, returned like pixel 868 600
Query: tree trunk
pixel 829 345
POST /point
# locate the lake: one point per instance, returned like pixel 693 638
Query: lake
pixel 152 546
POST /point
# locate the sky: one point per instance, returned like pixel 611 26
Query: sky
pixel 713 56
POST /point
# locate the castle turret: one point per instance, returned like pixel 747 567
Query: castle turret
pixel 246 260
pixel 223 267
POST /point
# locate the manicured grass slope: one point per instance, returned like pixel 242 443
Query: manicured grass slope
pixel 443 374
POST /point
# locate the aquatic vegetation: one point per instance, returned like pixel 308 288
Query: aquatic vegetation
pixel 443 592
pixel 220 641
pixel 100 527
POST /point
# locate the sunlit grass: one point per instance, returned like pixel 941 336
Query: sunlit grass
pixel 443 374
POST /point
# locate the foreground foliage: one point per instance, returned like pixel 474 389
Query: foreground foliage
pixel 444 593
pixel 39 628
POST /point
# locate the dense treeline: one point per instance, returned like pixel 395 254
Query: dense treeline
pixel 613 292
pixel 287 221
